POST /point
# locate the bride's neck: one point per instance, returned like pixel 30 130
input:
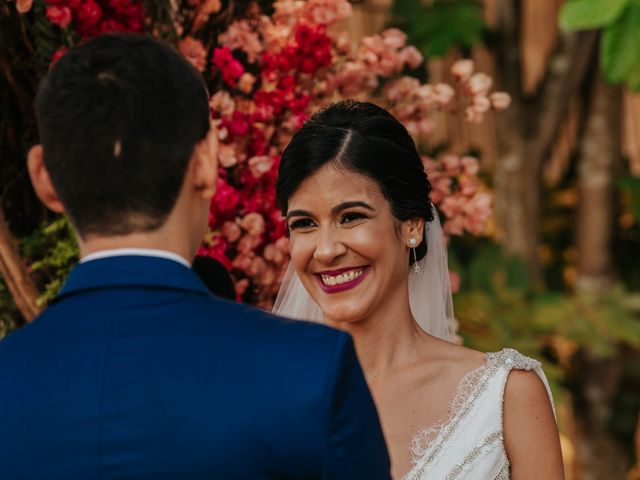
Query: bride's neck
pixel 387 340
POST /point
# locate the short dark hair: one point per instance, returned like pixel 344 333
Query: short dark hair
pixel 368 140
pixel 118 118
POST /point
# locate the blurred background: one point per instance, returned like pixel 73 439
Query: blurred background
pixel 555 269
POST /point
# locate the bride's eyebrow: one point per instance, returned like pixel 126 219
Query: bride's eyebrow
pixel 345 205
pixel 298 213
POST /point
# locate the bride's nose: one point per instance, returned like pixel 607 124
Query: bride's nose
pixel 328 247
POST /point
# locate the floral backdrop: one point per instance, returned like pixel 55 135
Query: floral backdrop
pixel 268 73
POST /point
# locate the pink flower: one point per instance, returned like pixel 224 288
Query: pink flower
pixel 194 51
pixel 60 16
pixel 451 164
pixel 500 100
pixel 222 103
pixel 394 38
pixel 470 165
pixel 260 165
pixel 479 84
pixel 443 93
pixel 231 231
pixel 227 155
pixel 23 6
pixel 240 35
pixel 246 82
pixel 481 104
pixel 462 70
pixel 411 56
pixel 253 223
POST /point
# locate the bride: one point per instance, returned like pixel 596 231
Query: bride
pixel 368 257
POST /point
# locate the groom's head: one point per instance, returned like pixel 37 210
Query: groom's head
pixel 124 129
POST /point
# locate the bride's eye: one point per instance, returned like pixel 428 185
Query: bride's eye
pixel 301 223
pixel 351 217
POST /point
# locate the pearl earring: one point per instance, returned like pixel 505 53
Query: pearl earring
pixel 413 243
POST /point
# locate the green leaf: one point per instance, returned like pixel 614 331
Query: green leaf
pixel 633 79
pixel 590 14
pixel 620 45
pixel 445 24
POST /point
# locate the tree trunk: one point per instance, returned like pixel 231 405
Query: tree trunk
pixel 18 280
pixel 595 378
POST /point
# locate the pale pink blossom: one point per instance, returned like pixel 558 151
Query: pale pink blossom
pixel 451 164
pixel 227 155
pixel 411 56
pixel 231 231
pixel 273 254
pixel 240 35
pixel 247 244
pixel 194 51
pixel 500 100
pixel 23 6
pixel 462 70
pixel 394 38
pixel 443 93
pixel 242 262
pixel 479 84
pixel 260 165
pixel 481 104
pixel 326 12
pixel 223 103
pixel 253 223
pixel 470 165
pixel 246 82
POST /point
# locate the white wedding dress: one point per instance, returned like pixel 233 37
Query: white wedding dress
pixel 469 443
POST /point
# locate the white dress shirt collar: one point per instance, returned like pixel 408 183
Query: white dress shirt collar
pixel 143 252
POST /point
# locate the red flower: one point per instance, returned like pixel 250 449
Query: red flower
pixel 60 16
pixel 231 68
pixel 58 55
pixel 111 25
pixel 89 14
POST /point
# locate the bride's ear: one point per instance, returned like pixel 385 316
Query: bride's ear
pixel 414 228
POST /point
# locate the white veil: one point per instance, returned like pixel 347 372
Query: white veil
pixel 429 290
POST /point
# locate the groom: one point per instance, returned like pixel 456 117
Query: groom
pixel 135 371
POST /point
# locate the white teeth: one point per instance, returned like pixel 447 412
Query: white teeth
pixel 342 278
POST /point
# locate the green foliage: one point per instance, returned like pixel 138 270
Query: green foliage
pixel 590 14
pixel 620 42
pixel 8 311
pixel 630 187
pixel 620 45
pixel 497 308
pixel 51 251
pixel 443 24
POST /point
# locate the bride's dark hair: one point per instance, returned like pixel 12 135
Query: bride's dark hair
pixel 368 140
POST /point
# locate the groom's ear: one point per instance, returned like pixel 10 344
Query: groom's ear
pixel 205 165
pixel 41 180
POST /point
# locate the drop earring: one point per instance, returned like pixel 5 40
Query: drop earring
pixel 413 243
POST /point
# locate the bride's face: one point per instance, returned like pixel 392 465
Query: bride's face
pixel 347 248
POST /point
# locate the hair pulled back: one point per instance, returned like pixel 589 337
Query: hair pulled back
pixel 368 140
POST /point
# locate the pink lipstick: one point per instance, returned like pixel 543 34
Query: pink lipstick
pixel 335 281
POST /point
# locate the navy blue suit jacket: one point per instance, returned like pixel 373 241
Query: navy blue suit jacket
pixel 136 372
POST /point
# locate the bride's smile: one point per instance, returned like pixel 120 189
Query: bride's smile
pixel 335 281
